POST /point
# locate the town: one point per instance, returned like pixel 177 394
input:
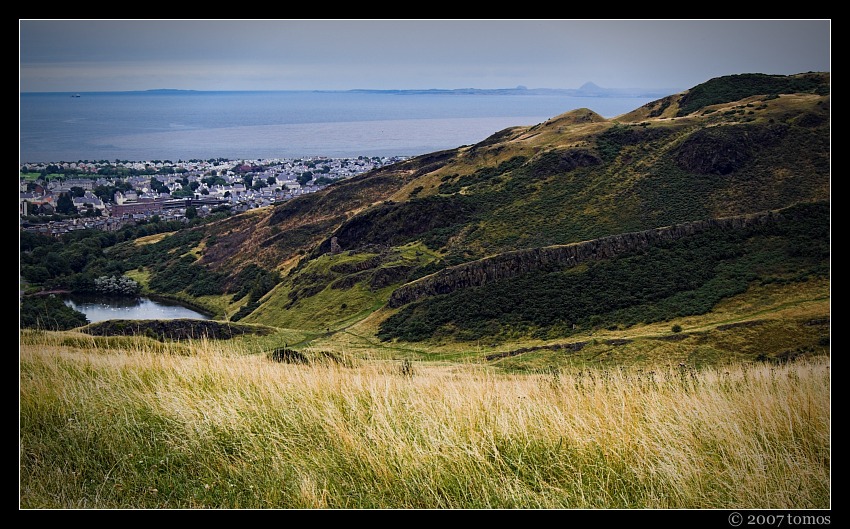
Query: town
pixel 57 198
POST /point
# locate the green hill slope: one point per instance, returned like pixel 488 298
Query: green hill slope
pixel 332 262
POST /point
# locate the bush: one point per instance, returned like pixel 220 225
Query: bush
pixel 116 286
pixel 49 313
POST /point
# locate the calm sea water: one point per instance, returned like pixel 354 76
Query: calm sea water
pixel 182 125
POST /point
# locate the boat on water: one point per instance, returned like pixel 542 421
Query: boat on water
pixel 75 95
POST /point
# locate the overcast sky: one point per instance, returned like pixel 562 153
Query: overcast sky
pixel 107 55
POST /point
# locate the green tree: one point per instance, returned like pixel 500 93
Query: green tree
pixel 105 193
pixel 158 186
pixel 305 177
pixel 65 204
pixel 191 212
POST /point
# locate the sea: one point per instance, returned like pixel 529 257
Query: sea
pixel 182 125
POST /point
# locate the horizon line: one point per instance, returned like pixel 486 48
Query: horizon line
pixel 519 88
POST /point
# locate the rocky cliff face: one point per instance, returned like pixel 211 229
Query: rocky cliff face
pixel 512 264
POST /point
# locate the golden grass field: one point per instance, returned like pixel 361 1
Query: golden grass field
pixel 114 423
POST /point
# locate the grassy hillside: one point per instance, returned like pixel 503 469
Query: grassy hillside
pixel 657 282
pixel 585 313
pixel 578 177
pixel 327 264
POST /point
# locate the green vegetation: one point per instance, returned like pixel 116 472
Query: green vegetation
pixel 334 291
pixel 177 329
pixel 432 219
pixel 254 282
pixel 74 260
pixel 681 367
pixel 138 424
pixel 576 177
pixel 612 141
pixel 735 87
pixel 658 284
pixel 484 177
pixel 50 313
pixel 117 286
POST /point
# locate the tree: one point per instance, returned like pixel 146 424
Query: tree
pixel 35 273
pixel 304 177
pixel 116 286
pixel 191 212
pixel 105 193
pixel 124 185
pixel 158 186
pixel 65 204
pixel 78 192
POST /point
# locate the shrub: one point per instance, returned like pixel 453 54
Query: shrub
pixel 116 286
pixel 50 313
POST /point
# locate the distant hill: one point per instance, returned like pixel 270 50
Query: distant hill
pixel 575 225
pixel 590 87
pixel 586 90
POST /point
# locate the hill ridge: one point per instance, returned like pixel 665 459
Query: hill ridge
pixel 510 264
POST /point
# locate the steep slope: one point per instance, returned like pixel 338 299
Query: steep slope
pixel 734 147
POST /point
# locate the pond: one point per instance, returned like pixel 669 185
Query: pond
pixel 101 308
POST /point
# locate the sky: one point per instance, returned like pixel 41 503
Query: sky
pixel 117 55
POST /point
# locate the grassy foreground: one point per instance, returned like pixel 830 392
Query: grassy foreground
pixel 134 423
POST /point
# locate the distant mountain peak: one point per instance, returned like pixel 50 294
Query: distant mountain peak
pixel 590 87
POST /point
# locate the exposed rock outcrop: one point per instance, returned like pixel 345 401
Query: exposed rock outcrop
pixel 512 264
pixel 178 329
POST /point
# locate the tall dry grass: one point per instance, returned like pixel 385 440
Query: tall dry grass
pixel 139 424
